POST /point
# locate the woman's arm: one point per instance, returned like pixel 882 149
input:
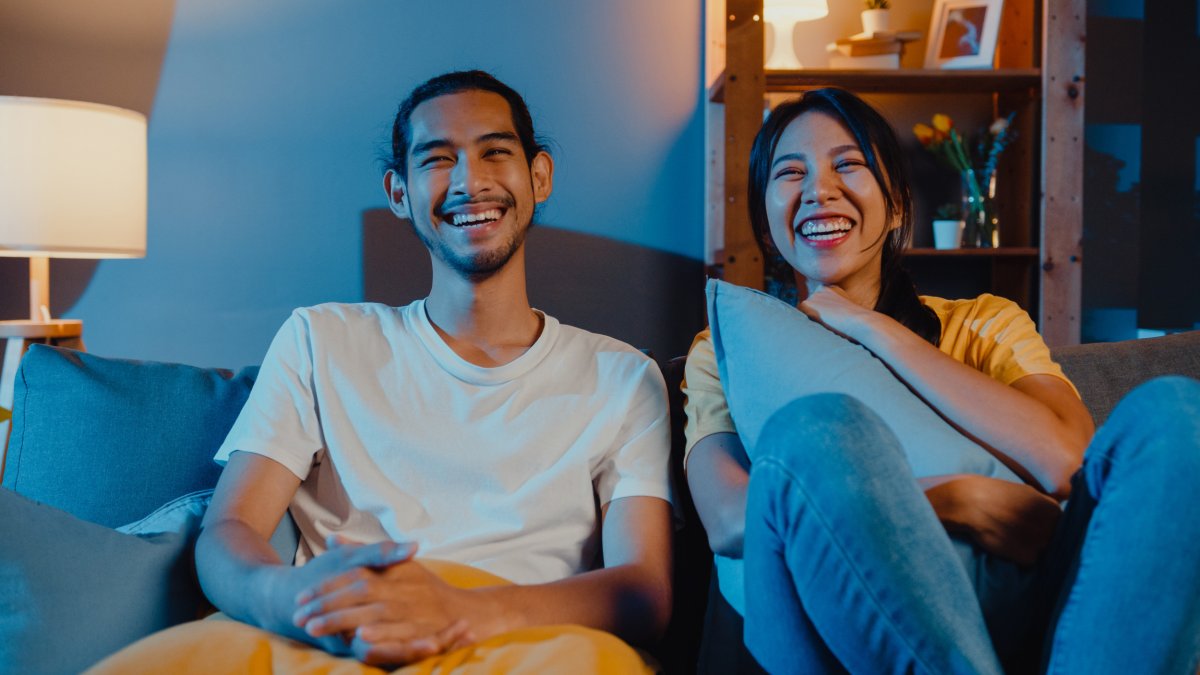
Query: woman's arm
pixel 1037 426
pixel 1011 520
pixel 718 472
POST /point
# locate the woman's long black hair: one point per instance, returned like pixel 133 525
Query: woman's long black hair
pixel 897 294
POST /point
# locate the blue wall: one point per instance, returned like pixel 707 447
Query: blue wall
pixel 269 116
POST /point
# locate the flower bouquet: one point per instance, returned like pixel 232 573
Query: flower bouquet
pixel 977 168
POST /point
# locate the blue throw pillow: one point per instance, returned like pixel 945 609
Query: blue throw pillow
pixel 769 354
pixel 72 592
pixel 110 440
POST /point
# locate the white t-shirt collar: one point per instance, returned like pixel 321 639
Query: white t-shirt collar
pixel 480 375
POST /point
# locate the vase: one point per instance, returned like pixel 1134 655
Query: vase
pixel 876 21
pixel 981 226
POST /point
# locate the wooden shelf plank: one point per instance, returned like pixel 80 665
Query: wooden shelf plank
pixel 1002 252
pixel 903 81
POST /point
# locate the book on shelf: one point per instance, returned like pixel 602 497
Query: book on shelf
pixel 871 47
pixel 838 61
pixel 897 35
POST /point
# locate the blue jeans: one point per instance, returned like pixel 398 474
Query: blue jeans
pixel 848 568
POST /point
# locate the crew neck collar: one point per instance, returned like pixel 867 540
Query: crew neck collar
pixel 480 375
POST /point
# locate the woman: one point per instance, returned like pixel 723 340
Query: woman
pixel 850 561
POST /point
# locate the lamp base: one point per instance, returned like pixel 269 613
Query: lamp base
pixel 783 53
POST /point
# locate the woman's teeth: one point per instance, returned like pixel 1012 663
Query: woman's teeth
pixel 469 219
pixel 825 228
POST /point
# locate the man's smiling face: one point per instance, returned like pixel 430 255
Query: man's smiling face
pixel 470 191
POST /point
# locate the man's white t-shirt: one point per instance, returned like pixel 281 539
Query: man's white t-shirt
pixel 394 436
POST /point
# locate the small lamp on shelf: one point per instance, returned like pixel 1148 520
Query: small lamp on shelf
pixel 783 15
pixel 72 185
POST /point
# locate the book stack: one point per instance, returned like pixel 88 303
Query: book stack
pixel 870 51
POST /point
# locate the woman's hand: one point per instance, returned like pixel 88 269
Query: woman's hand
pixel 833 308
pixel 1010 520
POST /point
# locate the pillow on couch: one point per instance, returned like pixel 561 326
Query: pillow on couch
pixel 73 592
pixel 110 440
pixel 769 354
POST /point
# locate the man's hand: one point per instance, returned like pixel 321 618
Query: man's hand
pixel 288 585
pixel 391 615
pixel 1011 520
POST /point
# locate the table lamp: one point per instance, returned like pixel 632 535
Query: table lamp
pixel 783 15
pixel 72 185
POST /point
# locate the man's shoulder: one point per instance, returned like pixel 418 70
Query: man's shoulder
pixel 598 343
pixel 607 356
pixel 352 314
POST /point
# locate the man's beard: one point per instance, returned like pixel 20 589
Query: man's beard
pixel 479 266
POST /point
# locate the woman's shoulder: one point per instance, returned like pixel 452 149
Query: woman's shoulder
pixel 982 307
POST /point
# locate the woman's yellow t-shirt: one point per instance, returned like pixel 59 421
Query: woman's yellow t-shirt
pixel 988 333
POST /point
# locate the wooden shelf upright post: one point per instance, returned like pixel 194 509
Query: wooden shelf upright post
pixel 744 92
pixel 1062 170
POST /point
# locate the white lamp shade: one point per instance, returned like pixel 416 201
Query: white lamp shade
pixel 72 179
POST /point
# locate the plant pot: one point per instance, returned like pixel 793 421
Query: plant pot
pixel 947 233
pixel 876 20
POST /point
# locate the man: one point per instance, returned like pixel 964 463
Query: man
pixel 466 424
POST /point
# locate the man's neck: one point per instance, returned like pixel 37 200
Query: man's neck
pixel 488 322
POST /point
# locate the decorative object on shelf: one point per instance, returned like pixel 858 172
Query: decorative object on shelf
pixel 783 15
pixel 72 185
pixel 977 171
pixel 948 227
pixel 962 33
pixel 877 18
pixel 879 50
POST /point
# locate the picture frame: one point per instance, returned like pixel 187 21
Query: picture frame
pixel 962 33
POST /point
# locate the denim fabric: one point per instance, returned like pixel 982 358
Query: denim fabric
pixel 846 562
pixel 848 567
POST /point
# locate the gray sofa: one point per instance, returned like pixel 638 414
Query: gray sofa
pixel 102 443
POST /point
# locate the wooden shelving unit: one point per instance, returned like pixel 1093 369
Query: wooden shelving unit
pixel 911 81
pixel 1040 265
pixel 1004 252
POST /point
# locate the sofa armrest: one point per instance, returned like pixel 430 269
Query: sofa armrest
pixel 1105 372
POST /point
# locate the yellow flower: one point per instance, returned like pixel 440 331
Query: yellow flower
pixel 923 133
pixel 943 123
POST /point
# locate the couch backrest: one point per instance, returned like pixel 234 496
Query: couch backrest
pixel 1105 372
pixel 110 440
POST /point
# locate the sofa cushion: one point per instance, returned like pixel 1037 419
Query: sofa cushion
pixel 769 354
pixel 1105 372
pixel 73 592
pixel 110 440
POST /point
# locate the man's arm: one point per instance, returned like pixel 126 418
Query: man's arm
pixel 630 596
pixel 240 572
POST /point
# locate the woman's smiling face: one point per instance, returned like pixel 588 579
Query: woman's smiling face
pixel 827 213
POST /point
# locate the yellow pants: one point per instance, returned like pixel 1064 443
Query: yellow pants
pixel 225 646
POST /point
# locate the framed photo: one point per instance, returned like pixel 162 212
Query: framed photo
pixel 962 33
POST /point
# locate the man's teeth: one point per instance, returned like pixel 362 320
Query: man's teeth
pixel 825 228
pixel 476 218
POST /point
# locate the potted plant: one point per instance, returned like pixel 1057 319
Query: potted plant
pixel 876 18
pixel 976 167
pixel 948 226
